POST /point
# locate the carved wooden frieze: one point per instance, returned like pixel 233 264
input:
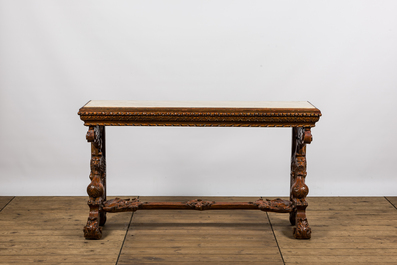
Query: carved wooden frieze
pixel 209 121
pixel 296 115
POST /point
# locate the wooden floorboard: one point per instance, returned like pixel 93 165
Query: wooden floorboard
pixel 48 230
pixel 4 200
pixel 393 201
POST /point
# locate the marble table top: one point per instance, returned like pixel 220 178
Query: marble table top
pixel 199 104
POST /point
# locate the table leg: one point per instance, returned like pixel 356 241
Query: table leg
pixel 292 215
pixel 96 189
pixel 299 190
pixel 103 176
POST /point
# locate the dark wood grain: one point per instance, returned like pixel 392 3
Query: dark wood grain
pixel 97 188
pixel 199 116
pixel 299 190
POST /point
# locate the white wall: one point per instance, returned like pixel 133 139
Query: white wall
pixel 57 55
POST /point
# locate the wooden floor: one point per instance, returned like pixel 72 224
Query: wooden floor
pixel 49 230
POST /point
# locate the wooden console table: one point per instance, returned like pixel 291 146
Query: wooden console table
pixel 98 114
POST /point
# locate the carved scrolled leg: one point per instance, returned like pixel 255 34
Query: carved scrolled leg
pixel 96 189
pixel 299 190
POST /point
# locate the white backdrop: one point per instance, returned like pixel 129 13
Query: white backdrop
pixel 57 55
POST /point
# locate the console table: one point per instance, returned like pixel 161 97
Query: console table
pixel 97 114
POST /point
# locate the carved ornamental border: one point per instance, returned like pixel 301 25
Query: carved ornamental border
pixel 223 119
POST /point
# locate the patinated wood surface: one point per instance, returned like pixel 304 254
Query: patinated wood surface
pixel 299 190
pixel 132 205
pixel 301 116
pixel 199 113
pixel 97 188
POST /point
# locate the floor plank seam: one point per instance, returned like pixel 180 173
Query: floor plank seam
pixel 125 237
pixel 391 203
pixel 7 203
pixel 275 238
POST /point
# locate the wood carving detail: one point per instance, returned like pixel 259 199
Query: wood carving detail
pixel 94 136
pixel 302 229
pixel 298 163
pixel 277 205
pixel 92 230
pixel 120 205
pixel 214 120
pixel 299 190
pixel 199 204
pixel 198 118
pixel 98 164
pixel 301 120
pixel 97 188
pixel 199 114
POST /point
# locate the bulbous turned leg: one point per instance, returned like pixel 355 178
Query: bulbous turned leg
pixel 92 230
pixel 299 190
pixel 96 189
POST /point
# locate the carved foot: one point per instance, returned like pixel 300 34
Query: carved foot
pixel 92 229
pixel 302 229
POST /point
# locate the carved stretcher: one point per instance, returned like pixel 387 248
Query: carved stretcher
pixel 98 114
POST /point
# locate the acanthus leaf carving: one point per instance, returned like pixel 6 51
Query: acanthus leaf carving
pixel 277 205
pixel 92 230
pixel 302 229
pixel 121 205
pixel 199 204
